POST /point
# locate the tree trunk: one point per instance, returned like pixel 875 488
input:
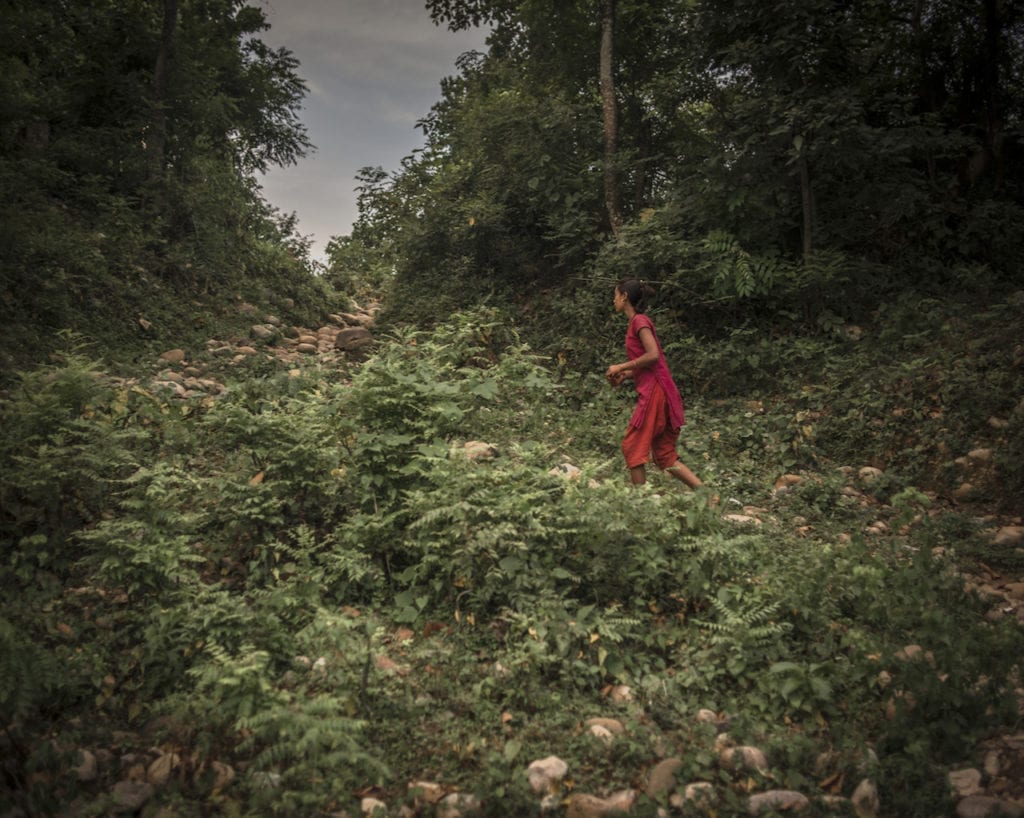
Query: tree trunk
pixel 611 124
pixel 157 142
pixel 645 142
pixel 807 204
pixel 929 85
pixel 993 93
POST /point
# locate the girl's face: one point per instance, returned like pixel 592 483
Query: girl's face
pixel 620 300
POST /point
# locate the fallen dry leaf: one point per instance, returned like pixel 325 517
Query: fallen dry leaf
pixel 834 783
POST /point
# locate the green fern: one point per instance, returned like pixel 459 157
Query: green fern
pixel 320 754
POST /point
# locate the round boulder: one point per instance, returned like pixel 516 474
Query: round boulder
pixel 777 801
pixel 545 774
pixel 263 332
pixel 353 339
pixel 173 356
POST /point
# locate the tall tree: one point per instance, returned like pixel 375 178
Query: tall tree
pixel 609 108
pixel 554 38
pixel 158 135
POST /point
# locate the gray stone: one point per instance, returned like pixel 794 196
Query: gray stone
pixel 130 796
pixel 723 741
pixel 662 779
pixel 1014 590
pixel 353 339
pixel 566 470
pixel 429 792
pixel 582 805
pixel 458 805
pixel 88 767
pixel 733 758
pixel 544 774
pixel 700 793
pixel 479 450
pixel 865 799
pixel 787 482
pixel 965 782
pixel 601 732
pixel 159 772
pixel 984 806
pixel 223 773
pixel 613 726
pixel 742 519
pixel 176 388
pixel 1009 535
pixel 371 807
pixel 963 492
pixel 621 694
pixel 352 319
pixel 778 801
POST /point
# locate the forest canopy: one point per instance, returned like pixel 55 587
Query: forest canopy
pixel 818 152
pixel 131 136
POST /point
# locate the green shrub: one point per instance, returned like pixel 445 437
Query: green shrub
pixel 310 569
pixel 64 449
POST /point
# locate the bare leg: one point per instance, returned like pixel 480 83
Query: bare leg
pixel 681 472
pixel 638 475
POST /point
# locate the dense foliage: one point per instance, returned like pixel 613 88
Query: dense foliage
pixel 311 579
pixel 811 154
pixel 131 135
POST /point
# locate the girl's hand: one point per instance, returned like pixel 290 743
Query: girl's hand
pixel 614 375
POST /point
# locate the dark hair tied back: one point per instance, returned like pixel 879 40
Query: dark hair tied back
pixel 637 291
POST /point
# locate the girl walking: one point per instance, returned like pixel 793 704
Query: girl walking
pixel 658 417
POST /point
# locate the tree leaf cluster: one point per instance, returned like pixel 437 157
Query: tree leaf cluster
pixel 770 155
pixel 132 135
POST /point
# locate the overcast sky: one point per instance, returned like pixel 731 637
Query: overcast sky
pixel 373 68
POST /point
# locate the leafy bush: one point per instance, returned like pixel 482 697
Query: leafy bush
pixel 303 571
pixel 65 448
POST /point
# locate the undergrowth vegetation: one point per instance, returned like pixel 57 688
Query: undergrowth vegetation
pixel 313 582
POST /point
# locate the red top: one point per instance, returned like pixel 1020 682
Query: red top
pixel 647 380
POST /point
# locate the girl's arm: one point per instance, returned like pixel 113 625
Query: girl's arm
pixel 616 372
